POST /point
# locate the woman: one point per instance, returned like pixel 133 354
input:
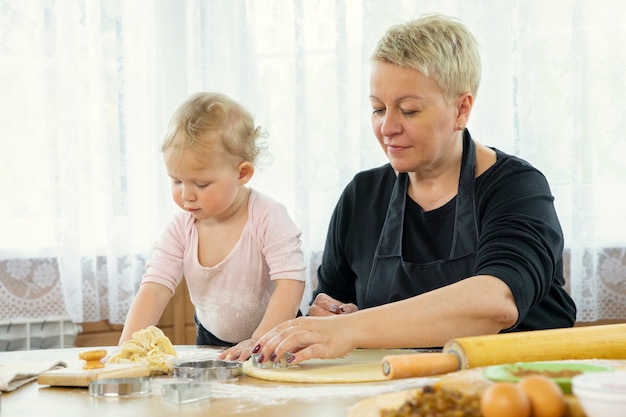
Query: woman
pixel 451 238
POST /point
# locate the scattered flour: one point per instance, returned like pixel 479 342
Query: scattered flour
pixel 269 393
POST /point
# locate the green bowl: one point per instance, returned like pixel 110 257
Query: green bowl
pixel 516 371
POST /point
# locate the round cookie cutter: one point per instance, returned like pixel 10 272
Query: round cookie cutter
pixel 209 370
pixel 119 387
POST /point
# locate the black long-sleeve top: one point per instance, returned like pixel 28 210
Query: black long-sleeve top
pixel 520 239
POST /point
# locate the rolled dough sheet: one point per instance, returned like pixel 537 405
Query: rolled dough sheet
pixel 361 365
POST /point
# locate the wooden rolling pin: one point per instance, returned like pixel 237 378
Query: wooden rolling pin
pixel 587 342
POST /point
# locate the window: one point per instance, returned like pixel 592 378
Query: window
pixel 89 85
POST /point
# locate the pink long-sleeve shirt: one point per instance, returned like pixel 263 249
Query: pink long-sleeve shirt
pixel 230 298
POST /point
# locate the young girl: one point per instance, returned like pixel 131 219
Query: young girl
pixel 239 251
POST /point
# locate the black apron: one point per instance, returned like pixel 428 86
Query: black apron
pixel 391 278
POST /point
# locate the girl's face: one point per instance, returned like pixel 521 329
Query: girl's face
pixel 206 189
pixel 414 123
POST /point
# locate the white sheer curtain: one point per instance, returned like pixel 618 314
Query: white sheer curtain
pixel 88 86
pixel 78 156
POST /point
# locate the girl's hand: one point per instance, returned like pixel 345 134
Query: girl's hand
pixel 325 305
pixel 240 352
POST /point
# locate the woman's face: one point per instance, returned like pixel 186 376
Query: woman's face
pixel 413 122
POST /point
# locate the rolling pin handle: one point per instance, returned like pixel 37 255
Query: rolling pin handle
pixel 419 364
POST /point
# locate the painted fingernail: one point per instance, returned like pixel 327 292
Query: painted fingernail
pixel 273 357
pixel 291 358
pixel 256 349
pixel 261 358
pixel 334 308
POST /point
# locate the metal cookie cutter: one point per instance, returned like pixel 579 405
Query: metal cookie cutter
pixel 208 370
pixel 280 363
pixel 119 387
pixel 185 392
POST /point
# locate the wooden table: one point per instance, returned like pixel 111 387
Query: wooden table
pixel 244 397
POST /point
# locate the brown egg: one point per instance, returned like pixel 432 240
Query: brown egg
pixel 546 396
pixel 504 399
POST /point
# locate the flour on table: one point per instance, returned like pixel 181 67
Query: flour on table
pixel 275 391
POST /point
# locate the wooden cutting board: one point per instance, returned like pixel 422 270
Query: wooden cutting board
pixel 76 376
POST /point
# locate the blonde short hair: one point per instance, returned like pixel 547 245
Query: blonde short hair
pixel 440 47
pixel 229 125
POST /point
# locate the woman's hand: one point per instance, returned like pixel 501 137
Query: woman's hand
pixel 324 305
pixel 307 338
pixel 239 352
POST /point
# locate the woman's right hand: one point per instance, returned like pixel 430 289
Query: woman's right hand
pixel 307 338
pixel 325 305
